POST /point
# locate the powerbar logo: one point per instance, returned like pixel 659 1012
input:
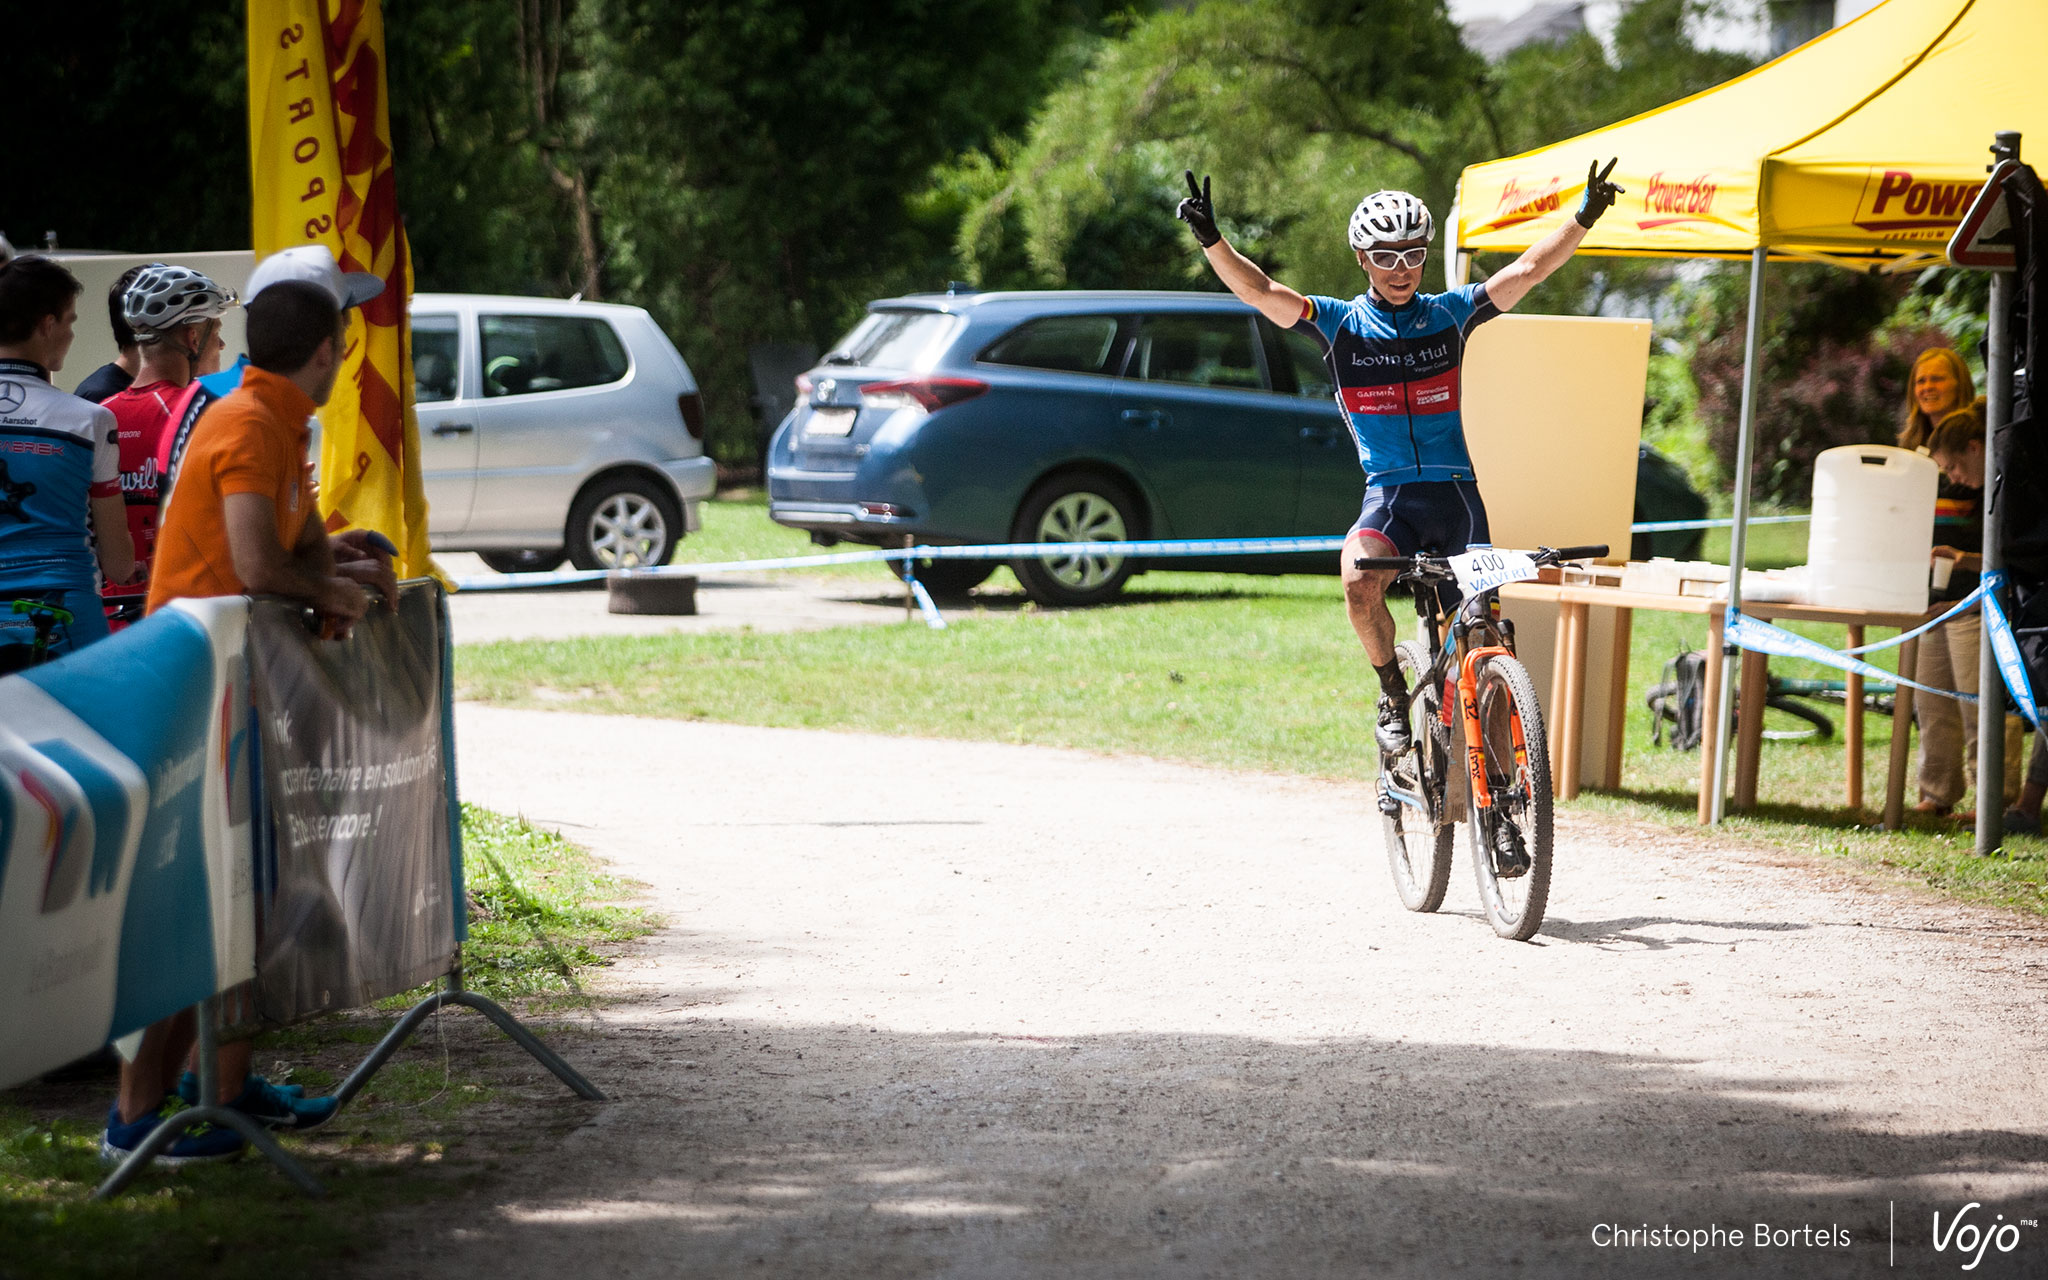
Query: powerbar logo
pixel 1897 200
pixel 1521 203
pixel 1666 202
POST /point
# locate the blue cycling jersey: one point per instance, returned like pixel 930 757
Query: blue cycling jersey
pixel 56 453
pixel 1397 375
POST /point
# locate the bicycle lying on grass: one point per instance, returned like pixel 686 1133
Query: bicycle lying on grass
pixel 1470 682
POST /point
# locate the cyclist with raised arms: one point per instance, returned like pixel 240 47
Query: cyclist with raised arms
pixel 1395 354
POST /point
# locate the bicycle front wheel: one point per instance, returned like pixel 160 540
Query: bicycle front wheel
pixel 1511 838
pixel 1418 846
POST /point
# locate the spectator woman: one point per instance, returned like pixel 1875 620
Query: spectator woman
pixel 1942 407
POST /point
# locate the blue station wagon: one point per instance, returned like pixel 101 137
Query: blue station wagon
pixel 1070 416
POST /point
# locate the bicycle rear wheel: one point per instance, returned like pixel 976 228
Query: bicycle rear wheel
pixel 1418 847
pixel 1511 839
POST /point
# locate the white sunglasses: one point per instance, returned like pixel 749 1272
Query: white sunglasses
pixel 1397 259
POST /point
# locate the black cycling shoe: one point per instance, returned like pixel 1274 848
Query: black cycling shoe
pixel 1510 859
pixel 1392 731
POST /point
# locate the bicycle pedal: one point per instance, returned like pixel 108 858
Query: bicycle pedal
pixel 1388 805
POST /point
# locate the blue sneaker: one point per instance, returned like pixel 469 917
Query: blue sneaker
pixel 199 1145
pixel 188 1088
pixel 282 1108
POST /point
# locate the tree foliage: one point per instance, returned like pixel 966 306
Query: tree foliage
pixel 127 125
pixel 1300 107
pixel 1831 369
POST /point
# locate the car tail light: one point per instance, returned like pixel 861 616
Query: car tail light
pixel 933 394
pixel 692 406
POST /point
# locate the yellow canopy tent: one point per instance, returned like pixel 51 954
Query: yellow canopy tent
pixel 1863 147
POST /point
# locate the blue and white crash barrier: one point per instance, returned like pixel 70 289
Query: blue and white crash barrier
pixel 125 873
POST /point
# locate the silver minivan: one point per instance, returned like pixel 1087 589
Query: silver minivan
pixel 552 429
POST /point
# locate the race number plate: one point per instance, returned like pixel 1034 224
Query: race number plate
pixel 1485 569
pixel 830 422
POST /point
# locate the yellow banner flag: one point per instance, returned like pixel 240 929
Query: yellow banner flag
pixel 321 173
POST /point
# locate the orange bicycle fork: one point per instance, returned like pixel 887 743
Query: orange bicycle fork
pixel 1475 750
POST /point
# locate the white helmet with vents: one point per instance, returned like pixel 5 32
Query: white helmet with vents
pixel 1386 217
pixel 164 297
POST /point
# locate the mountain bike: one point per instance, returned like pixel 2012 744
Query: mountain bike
pixel 1466 686
pixel 46 619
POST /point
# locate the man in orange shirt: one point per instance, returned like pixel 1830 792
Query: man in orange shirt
pixel 242 518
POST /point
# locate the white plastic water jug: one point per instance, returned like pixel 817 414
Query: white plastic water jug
pixel 1873 523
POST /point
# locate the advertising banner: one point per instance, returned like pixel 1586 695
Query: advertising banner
pixel 361 901
pixel 125 866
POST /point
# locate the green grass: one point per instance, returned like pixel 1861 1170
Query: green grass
pixel 543 913
pixel 1234 671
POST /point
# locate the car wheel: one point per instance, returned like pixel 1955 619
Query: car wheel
pixel 1075 508
pixel 626 522
pixel 949 577
pixel 523 561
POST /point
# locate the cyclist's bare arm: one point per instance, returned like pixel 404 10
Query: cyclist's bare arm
pixel 1512 283
pixel 1275 301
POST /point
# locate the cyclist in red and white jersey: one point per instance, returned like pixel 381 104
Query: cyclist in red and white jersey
pixel 176 315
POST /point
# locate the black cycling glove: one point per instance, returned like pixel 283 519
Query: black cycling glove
pixel 1198 213
pixel 1599 195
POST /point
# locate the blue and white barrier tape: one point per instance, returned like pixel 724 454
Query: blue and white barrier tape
pixel 2006 648
pixel 1151 550
pixel 1961 606
pixel 1758 636
pixel 1661 526
pixel 1761 637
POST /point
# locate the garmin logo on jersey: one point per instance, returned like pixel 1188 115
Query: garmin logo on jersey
pixel 1430 395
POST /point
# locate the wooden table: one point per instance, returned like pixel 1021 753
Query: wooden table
pixel 1567 688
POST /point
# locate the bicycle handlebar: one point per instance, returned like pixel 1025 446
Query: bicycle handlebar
pixel 1433 564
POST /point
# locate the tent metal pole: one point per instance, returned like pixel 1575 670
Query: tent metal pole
pixel 1990 685
pixel 1738 536
pixel 1997 414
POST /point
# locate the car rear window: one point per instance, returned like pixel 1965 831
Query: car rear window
pixel 1208 351
pixel 895 340
pixel 1068 344
pixel 525 355
pixel 435 349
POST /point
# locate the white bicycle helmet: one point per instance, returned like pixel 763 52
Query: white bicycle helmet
pixel 1387 216
pixel 164 297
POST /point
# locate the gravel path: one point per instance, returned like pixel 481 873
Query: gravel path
pixel 946 1009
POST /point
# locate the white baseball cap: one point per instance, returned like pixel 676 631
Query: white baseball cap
pixel 314 264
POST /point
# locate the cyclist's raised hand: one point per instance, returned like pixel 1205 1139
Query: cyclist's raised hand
pixel 1197 212
pixel 1599 195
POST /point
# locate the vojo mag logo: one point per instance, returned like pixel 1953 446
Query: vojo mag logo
pixel 1903 203
pixel 1968 1236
